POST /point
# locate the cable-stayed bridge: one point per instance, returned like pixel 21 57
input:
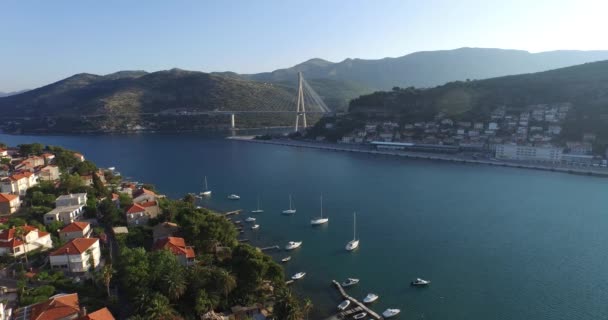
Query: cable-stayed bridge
pixel 306 101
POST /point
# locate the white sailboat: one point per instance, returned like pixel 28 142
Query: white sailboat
pixel 291 210
pixel 353 244
pixel 258 210
pixel 206 192
pixel 319 220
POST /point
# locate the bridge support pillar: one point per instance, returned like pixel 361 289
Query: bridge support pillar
pixel 232 121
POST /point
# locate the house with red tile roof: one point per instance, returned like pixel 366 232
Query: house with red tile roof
pixel 76 255
pixel 139 213
pixel 79 156
pixel 30 163
pixel 76 229
pixel 48 157
pixel 144 195
pixel 9 203
pixel 164 230
pixel 61 307
pixel 12 245
pixel 177 246
pixel 18 183
pixel 48 173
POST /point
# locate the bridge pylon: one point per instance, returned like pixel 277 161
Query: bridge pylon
pixel 300 108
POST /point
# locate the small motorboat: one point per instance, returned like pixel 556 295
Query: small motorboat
pixel 257 211
pixel 293 245
pixel 206 192
pixel 370 297
pixel 360 315
pixel 420 282
pixel 255 227
pixel 389 313
pixel 350 282
pixel 286 259
pixel 234 197
pixel 250 219
pixel 298 276
pixel 342 306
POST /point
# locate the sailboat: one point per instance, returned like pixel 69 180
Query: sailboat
pixel 319 220
pixel 353 244
pixel 206 192
pixel 258 210
pixel 290 210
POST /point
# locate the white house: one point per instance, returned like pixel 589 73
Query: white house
pixel 76 255
pixel 49 173
pixel 33 239
pixel 19 183
pixel 144 195
pixel 72 199
pixel 75 230
pixel 9 203
pixel 66 215
pixel 529 153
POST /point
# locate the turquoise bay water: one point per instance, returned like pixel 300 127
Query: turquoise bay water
pixel 497 243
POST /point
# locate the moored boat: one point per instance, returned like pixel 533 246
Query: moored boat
pixel 250 219
pixel 206 192
pixel 298 276
pixel 286 259
pixel 258 210
pixel 255 227
pixel 420 282
pixel 342 306
pixel 291 210
pixel 389 313
pixel 350 282
pixel 293 245
pixel 353 244
pixel 360 315
pixel 234 197
pixel 319 220
pixel 370 297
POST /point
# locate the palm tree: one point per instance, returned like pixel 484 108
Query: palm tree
pixel 107 272
pixel 225 282
pixel 159 308
pixel 175 285
pixel 307 307
pixel 20 234
pixel 287 306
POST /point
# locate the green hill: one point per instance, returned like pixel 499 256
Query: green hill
pixel 585 86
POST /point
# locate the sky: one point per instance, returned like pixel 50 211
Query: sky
pixel 45 41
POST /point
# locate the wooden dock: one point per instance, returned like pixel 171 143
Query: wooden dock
pixel 270 248
pixel 360 307
pixel 231 213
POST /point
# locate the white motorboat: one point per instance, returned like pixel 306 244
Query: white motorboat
pixel 258 210
pixel 420 282
pixel 293 245
pixel 286 259
pixel 370 297
pixel 234 197
pixel 250 219
pixel 291 210
pixel 360 315
pixel 255 227
pixel 342 306
pixel 298 276
pixel 388 313
pixel 353 244
pixel 206 192
pixel 319 220
pixel 350 282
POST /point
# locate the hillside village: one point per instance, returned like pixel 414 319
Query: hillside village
pixel 76 238
pixel 532 135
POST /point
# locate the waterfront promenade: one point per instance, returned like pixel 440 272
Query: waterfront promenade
pixel 599 172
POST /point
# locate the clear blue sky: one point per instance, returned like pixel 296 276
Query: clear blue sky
pixel 44 41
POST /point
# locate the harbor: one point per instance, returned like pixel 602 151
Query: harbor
pixel 364 149
pixel 359 305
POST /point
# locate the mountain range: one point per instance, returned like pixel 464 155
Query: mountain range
pixel 131 93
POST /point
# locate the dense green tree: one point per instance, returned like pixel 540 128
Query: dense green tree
pixel 42 199
pixel 70 182
pixel 85 168
pixel 287 306
pixel 134 271
pixel 124 200
pixel 30 149
pixel 65 159
pixel 203 303
pixel 159 308
pixel 110 214
pixel 174 284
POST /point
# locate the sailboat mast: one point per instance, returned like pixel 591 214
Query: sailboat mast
pixel 321 206
pixel 206 188
pixel 355 226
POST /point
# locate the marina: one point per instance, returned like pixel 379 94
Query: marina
pixel 360 306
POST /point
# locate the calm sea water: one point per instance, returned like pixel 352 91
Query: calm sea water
pixel 497 243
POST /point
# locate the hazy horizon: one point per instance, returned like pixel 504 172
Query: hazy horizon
pixel 45 42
